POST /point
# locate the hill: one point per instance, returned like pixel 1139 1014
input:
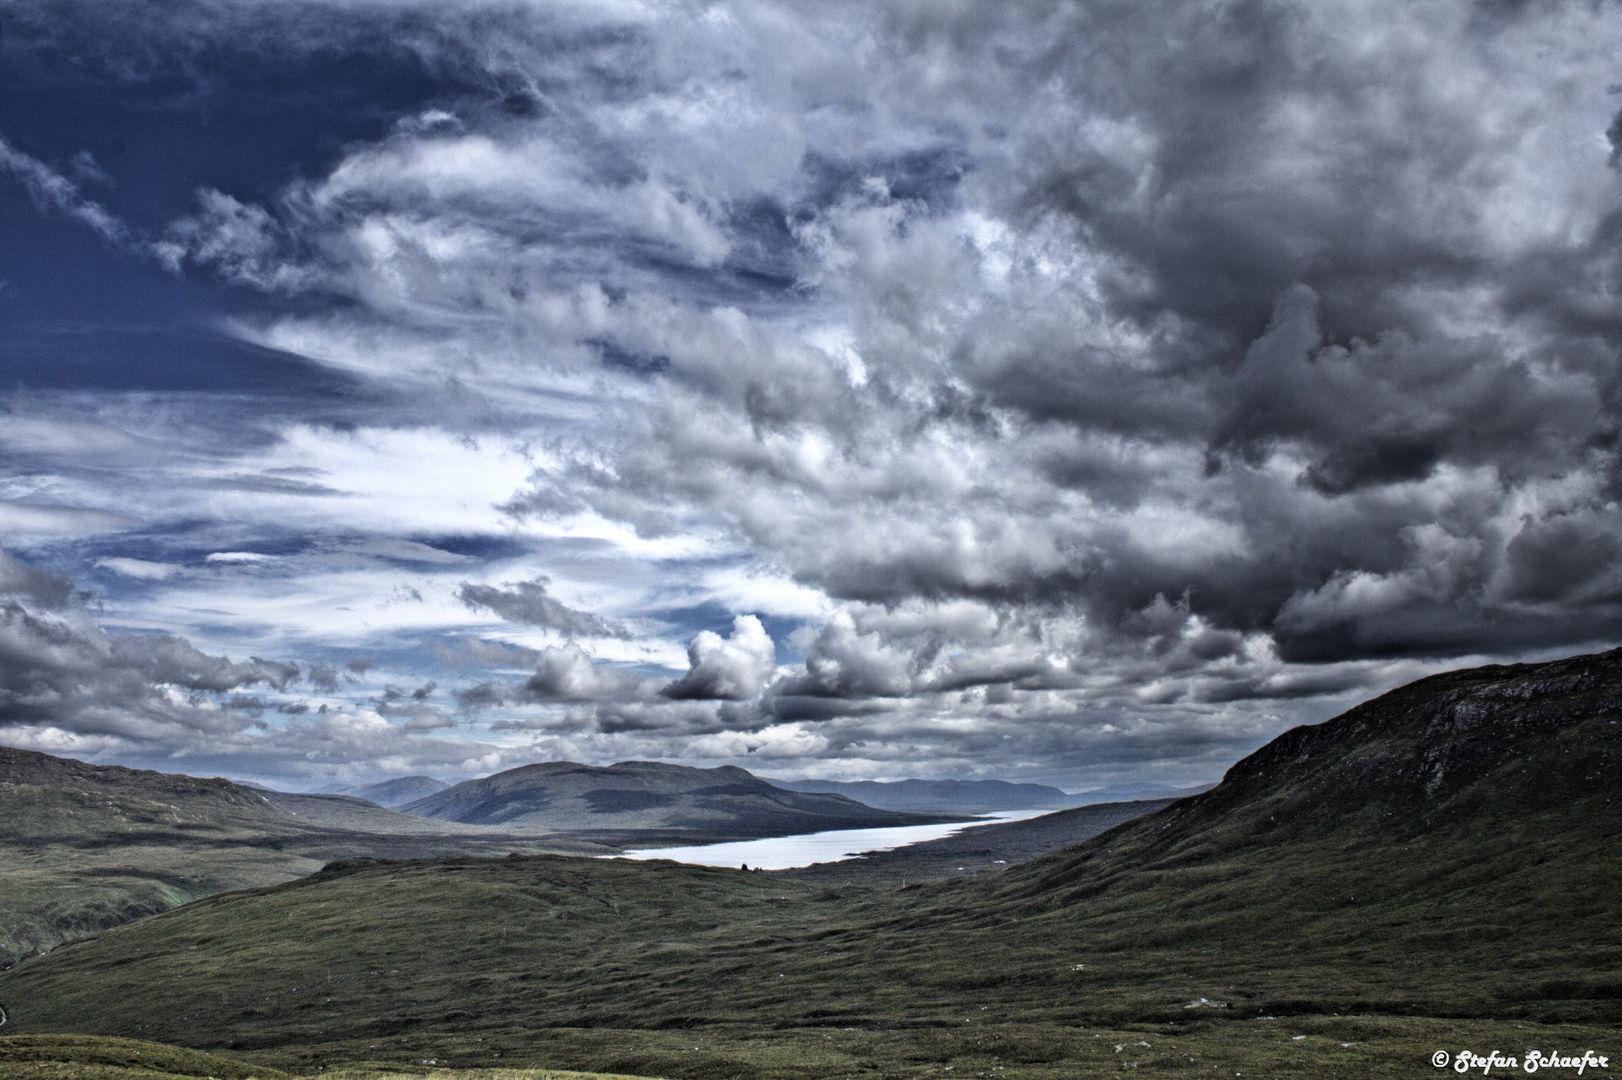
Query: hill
pixel 721 804
pixel 393 793
pixel 85 847
pixel 1434 869
pixel 962 796
pixel 981 796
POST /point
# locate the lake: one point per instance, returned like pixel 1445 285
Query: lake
pixel 786 852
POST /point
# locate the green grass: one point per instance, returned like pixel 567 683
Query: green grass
pixel 79 862
pixel 92 1057
pixel 660 969
pixel 58 1057
pixel 1408 878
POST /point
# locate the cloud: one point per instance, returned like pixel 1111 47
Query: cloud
pixel 53 191
pixel 568 674
pixel 139 568
pixel 36 519
pixel 270 485
pixel 1181 371
pixel 322 676
pixel 386 547
pixel 32 584
pixel 527 602
pixel 731 669
pixel 58 669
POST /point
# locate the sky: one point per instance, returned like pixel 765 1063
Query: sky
pixel 1078 393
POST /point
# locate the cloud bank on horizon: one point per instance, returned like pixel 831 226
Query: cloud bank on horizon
pixel 1073 392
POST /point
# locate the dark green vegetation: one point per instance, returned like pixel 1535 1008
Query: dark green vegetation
pixel 1435 869
pixel 85 847
pixel 93 1057
pixel 88 1057
pixel 722 804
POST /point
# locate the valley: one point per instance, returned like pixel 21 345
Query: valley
pixel 88 847
pixel 1435 868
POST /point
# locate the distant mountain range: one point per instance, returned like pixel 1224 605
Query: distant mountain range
pixel 390 793
pixel 939 795
pixel 723 803
pixel 905 796
pixel 978 796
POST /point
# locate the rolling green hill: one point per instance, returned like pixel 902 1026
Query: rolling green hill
pixel 85 847
pixel 1434 869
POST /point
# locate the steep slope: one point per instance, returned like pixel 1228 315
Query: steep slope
pixel 1455 844
pixel 1475 754
pixel 719 804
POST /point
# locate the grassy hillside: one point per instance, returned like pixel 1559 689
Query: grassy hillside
pixel 91 1057
pixel 85 847
pixel 54 1057
pixel 721 804
pixel 1436 869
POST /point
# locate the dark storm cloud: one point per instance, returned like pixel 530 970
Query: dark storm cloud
pixel 1326 322
pixel 59 670
pixel 39 586
pixel 1096 384
pixel 323 676
pixel 527 602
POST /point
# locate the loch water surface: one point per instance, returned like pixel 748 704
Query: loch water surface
pixel 803 849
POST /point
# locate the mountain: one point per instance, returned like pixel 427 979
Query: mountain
pixel 980 796
pixel 1452 847
pixel 1128 792
pixel 727 803
pixel 939 795
pixel 1436 868
pixel 393 793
